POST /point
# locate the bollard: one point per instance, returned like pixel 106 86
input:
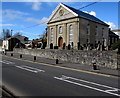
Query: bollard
pixel 56 61
pixel 5 53
pixel 34 58
pixel 11 54
pixel 20 55
pixel 94 66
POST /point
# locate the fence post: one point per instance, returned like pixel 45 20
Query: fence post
pixel 56 61
pixel 20 55
pixel 11 54
pixel 34 58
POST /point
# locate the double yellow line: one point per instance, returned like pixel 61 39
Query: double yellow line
pixel 73 69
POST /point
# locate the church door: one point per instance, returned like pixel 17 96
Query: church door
pixel 60 42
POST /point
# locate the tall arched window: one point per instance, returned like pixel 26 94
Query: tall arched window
pixel 96 34
pixel 52 32
pixel 60 30
pixel 70 34
pixel 88 29
pixel 96 30
pixel 102 32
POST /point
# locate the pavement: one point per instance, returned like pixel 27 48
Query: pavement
pixel 75 66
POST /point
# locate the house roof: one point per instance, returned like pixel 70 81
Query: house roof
pixel 116 30
pixel 113 34
pixel 19 37
pixel 79 14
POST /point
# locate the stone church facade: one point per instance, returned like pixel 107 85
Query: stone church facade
pixel 70 26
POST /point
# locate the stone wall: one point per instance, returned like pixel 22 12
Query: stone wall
pixel 106 59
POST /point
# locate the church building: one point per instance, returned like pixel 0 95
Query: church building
pixel 69 26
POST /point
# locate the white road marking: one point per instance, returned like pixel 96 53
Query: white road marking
pixel 4 62
pixel 7 62
pixel 35 70
pixel 115 90
pixel 91 83
pixel 26 69
pixel 66 79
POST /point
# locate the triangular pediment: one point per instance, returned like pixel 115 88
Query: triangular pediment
pixel 60 13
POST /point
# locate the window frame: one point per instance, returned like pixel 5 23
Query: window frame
pixel 60 30
pixel 71 33
pixel 52 35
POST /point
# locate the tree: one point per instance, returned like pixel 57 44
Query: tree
pixel 6 33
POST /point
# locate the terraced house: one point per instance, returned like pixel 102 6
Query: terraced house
pixel 69 26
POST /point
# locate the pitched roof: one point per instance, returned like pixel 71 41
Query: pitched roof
pixel 79 14
pixel 19 37
pixel 113 34
pixel 85 15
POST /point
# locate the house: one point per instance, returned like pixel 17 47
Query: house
pixel 1 44
pixel 113 38
pixel 14 41
pixel 68 26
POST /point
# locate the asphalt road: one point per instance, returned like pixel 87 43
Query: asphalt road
pixel 25 78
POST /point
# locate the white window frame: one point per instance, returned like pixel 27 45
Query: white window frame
pixel 52 35
pixel 70 34
pixel 60 30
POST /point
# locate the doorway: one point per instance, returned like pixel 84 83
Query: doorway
pixel 60 42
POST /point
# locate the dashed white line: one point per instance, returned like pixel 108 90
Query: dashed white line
pixel 34 68
pixel 31 69
pixel 7 62
pixel 27 69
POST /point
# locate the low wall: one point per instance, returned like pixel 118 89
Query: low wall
pixel 106 59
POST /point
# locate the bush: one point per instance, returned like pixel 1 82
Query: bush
pixel 116 45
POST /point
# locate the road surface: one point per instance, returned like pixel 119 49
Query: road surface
pixel 27 78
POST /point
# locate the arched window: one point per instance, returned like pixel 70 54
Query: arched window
pixel 88 29
pixel 70 34
pixel 96 34
pixel 60 30
pixel 96 31
pixel 102 32
pixel 52 35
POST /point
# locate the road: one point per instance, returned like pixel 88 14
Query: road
pixel 26 78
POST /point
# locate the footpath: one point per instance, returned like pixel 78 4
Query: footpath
pixel 89 68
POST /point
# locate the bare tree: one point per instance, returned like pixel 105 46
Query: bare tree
pixel 6 33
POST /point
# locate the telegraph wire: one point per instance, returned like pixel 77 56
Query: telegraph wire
pixel 33 25
pixel 90 4
pixel 59 17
